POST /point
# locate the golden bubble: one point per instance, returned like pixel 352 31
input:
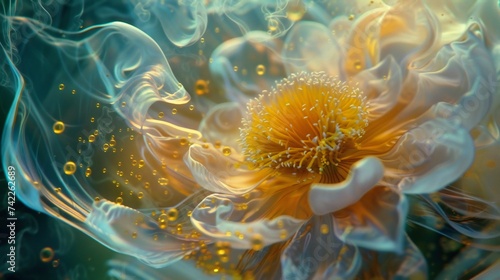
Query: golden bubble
pixel 131 137
pixel 324 229
pixel 295 11
pixel 183 141
pixel 46 254
pixel 96 199
pixel 202 40
pixel 73 91
pixel 280 224
pixel 104 170
pixel 61 86
pixel 257 242
pixel 55 263
pixel 119 200
pixel 172 214
pixel 112 142
pixel 201 87
pixel 261 69
pixel 357 65
pixel 165 192
pixel 88 172
pixel 58 127
pixel 191 107
pixel 124 104
pixel 155 237
pixel 69 168
pixel 141 163
pixel 58 190
pixel 146 185
pixel 174 111
pixel 91 138
pixel 283 234
pixel 105 146
pixel 226 151
pixel 235 68
pixel 351 17
pixel 162 221
pixel 97 105
pixel 217 30
pixel 140 195
pixel 134 235
pixel 163 181
pixel 161 115
pixel 92 119
pixel 272 24
pixel 217 144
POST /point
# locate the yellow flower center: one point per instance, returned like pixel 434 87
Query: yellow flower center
pixel 304 123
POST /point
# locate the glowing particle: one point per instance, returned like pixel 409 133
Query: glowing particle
pixel 91 138
pixel 226 151
pixel 351 17
pixel 217 30
pixel 201 87
pixel 191 107
pixel 272 24
pixel 295 10
pixel 134 235
pixel 97 105
pixel 202 40
pixel 163 181
pixel 183 141
pixel 55 263
pixel 92 119
pixel 112 142
pixel 73 91
pixel 283 234
pixel 61 86
pixel 131 137
pixel 257 242
pixel 172 214
pixel 261 69
pixel 174 111
pixel 69 168
pixel 104 170
pixel 119 200
pixel 46 254
pixel 146 185
pixel 58 127
pixel 357 65
pixel 97 199
pixel 140 195
pixel 163 221
pixel 124 104
pixel 105 146
pixel 141 163
pixel 324 229
pixel 88 171
pixel 235 68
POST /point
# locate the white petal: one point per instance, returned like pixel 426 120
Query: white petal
pixel 327 198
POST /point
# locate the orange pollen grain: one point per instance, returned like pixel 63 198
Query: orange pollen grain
pixel 303 122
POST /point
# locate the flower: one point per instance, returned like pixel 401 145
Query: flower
pixel 373 114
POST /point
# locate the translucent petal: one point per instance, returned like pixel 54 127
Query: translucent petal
pixel 114 226
pixel 221 217
pixel 222 124
pixel 220 173
pixel 428 157
pixel 408 264
pixel 247 65
pixel 376 222
pixel 309 46
pixel 328 198
pixel 315 253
